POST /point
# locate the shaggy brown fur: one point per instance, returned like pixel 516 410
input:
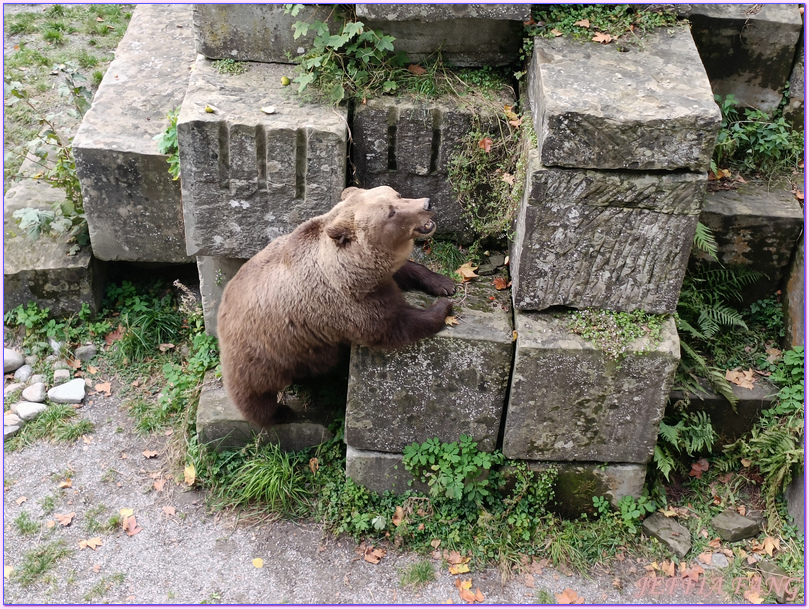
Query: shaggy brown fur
pixel 334 280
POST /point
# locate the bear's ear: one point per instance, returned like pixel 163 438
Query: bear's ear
pixel 348 192
pixel 341 231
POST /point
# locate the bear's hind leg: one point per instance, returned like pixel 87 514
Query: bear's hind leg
pixel 263 409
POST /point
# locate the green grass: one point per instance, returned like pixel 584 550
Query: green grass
pixel 48 504
pixel 25 525
pixel 55 423
pixel 53 36
pixel 104 586
pixel 23 23
pixel 96 522
pixel 39 561
pixel 418 574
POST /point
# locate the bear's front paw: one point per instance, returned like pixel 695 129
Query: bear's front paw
pixel 441 286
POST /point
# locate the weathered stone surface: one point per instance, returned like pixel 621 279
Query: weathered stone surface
pixel 569 402
pixel 755 227
pixel 10 419
pixel 611 240
pixel 451 384
pixel 669 532
pixel 796 500
pixel 10 431
pixel 255 32
pixel 214 274
pixel 380 471
pixel 443 12
pixel 71 392
pixel 646 109
pixel 794 299
pixel 35 392
pixel 220 425
pixel 133 207
pixel 61 375
pixel 794 110
pixel 12 388
pixel 28 410
pixel 777 581
pixel 23 373
pixel 43 270
pixel 747 49
pixel 408 144
pixel 732 526
pixel 728 422
pixel 12 360
pixel 247 176
pixel 86 352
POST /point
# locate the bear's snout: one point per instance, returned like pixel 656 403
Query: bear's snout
pixel 427 205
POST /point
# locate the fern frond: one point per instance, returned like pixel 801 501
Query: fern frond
pixel 705 241
pixel 663 460
pixel 670 433
pixel 720 384
pixel 723 315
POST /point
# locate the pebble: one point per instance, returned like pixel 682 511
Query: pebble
pixel 37 378
pixel 86 352
pixel 10 430
pixel 31 360
pixel 34 393
pixel 28 410
pixel 9 389
pixel 11 419
pixel 71 392
pixel 719 560
pixel 61 375
pixel 11 360
pixel 23 373
pixel 60 365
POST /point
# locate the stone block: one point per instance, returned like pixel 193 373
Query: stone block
pixel 133 207
pixel 794 110
pixel 728 422
pixel 380 471
pixel 214 274
pixel 732 526
pixel 44 270
pixel 611 240
pixel 756 227
pixel 649 108
pixel 220 425
pixel 249 176
pixel 570 402
pixel 451 384
pixel 408 144
pixel 795 496
pixel 794 299
pixel 747 49
pixel 255 32
pixel 429 13
pixel 668 531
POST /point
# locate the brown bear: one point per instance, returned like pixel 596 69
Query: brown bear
pixel 335 280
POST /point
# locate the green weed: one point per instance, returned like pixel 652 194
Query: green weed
pixel 230 66
pixel 53 36
pixel 23 23
pixel 167 144
pixel 613 332
pixel 54 423
pixel 48 504
pixel 417 575
pixel 25 524
pixel 104 586
pixel 39 561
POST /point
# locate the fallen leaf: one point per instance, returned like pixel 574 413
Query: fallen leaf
pixel 466 271
pixel 715 543
pixel 616 583
pixel 486 144
pixel 96 568
pixel 87 439
pixel 501 284
pixel 529 580
pixel 742 378
pixel 773 354
pixel 602 38
pixel 583 23
pixel 417 70
pixel 21 500
pixel 149 454
pixel 692 573
pixel 7 570
pixel 514 335
pixel 451 320
pixel 92 369
pixel 568 597
pixel 190 473
pixel 165 347
pixel 556 32
pixel 314 465
pixel 99 19
pixel 458 569
pixel 159 484
pixel 169 510
pixel 752 559
pixel 667 513
pixel 372 555
pixel 114 335
pixel 799 195
pixel 66 484
pixel 65 519
pixel 103 388
pixel 126 512
pixel 258 563
pixel 74 363
pixel 753 596
pixel 131 526
pixel 398 516
pixel 435 543
pixel 742 510
pixel 746 462
pixel 507 177
pixel 668 567
pixel 706 557
pixel 93 543
pixel 697 468
pixel 50 524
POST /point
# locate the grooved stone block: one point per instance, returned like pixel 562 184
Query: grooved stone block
pixel 569 402
pixel 248 176
pixel 43 270
pixel 794 110
pixel 795 299
pixel 428 13
pixel 408 144
pixel 747 49
pixel 610 240
pixel 221 427
pixel 254 32
pixel 133 207
pixel 214 274
pixel 380 472
pixel 646 109
pixel 756 226
pixel 451 384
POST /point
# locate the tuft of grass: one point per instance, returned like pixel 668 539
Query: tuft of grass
pixel 24 23
pixel 104 586
pixel 54 424
pixel 40 560
pixel 445 257
pixel 25 524
pixel 57 10
pixel 418 574
pixel 94 521
pixel 98 76
pixel 230 66
pixel 53 36
pixel 86 60
pixel 48 504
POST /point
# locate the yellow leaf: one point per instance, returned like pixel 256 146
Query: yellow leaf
pixel 458 569
pixel 467 271
pixel 126 512
pixel 514 336
pixel 190 474
pixel 258 563
pixel 7 569
pixel 93 543
pixel 451 320
pixel 398 516
pixel 667 513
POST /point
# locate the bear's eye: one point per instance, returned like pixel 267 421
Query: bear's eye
pixel 391 213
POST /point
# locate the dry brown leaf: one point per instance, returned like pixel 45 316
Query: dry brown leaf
pixel 314 465
pixel 715 543
pixel 7 570
pixel 501 284
pixel 668 567
pixel 692 572
pixel 753 596
pixel 92 369
pixel 21 500
pixel 706 557
pixel 556 32
pixel 435 543
pixel 417 70
pixel 114 335
pixel 65 519
pixel 169 510
pixel 602 38
pixel 507 177
pixel 742 378
pixel 451 320
pixel 568 597
pixel 529 580
pixel 583 23
pixel 486 144
pixel 93 543
pixel 96 568
pixel 697 468
pixel 131 526
pixel 149 454
pixel 66 483
pixel 466 271
pixel 50 524
pixel 746 462
pixel 103 388
pixel 742 510
pixel 372 555
pixel 159 484
pixel 398 516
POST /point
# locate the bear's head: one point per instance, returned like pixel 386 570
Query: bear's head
pixel 379 218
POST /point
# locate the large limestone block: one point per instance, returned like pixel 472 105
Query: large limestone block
pixel 133 207
pixel 214 274
pixel 380 472
pixel 43 270
pixel 794 110
pixel 428 13
pixel 795 299
pixel 648 108
pixel 408 145
pixel 249 176
pixel 570 402
pixel 255 32
pixel 756 226
pixel 610 240
pixel 747 49
pixel 451 384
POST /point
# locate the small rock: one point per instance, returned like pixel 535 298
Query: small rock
pixel 32 360
pixel 719 560
pixel 60 376
pixel 11 360
pixel 731 526
pixel 86 353
pixel 9 389
pixel 11 419
pixel 55 345
pixel 10 430
pixel 777 581
pixel 23 373
pixel 489 268
pixel 60 365
pixel 37 378
pixel 34 393
pixel 71 392
pixel 669 531
pixel 28 410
